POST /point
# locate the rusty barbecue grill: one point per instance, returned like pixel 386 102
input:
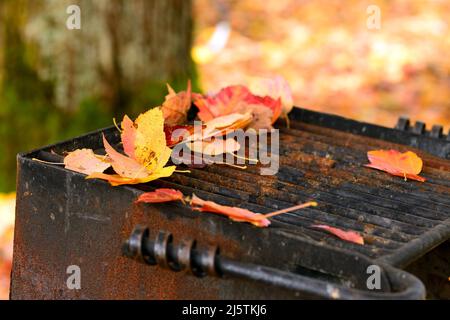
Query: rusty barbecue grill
pixel 140 251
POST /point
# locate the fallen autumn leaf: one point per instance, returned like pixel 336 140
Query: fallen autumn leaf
pixel 161 195
pixel 242 215
pixel 350 236
pixel 85 161
pixel 407 165
pixel 176 106
pixel 146 160
pixel 238 99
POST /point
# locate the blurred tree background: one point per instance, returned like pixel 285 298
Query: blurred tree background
pixel 332 60
pixel 56 83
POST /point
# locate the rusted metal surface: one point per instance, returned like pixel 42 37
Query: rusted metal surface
pixel 63 219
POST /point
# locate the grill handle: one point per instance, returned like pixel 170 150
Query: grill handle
pixel 202 261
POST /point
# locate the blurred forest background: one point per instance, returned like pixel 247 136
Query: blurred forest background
pixel 56 83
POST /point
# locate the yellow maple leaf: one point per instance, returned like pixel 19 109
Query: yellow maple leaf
pixel 150 153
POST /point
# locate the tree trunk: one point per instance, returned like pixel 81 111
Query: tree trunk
pixel 122 49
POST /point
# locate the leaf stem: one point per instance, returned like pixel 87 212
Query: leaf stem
pixel 115 124
pixel 243 158
pixel 232 165
pixel 48 162
pixel 300 206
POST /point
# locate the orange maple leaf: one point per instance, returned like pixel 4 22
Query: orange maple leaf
pixel 161 195
pixel 176 106
pixel 276 87
pixel 350 236
pixel 238 99
pixel 234 213
pixel 240 214
pixel 407 165
pixel 172 139
pixel 85 161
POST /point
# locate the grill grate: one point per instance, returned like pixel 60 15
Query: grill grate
pixel 322 158
pixel 327 165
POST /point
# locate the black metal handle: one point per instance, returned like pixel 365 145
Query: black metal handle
pixel 202 261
